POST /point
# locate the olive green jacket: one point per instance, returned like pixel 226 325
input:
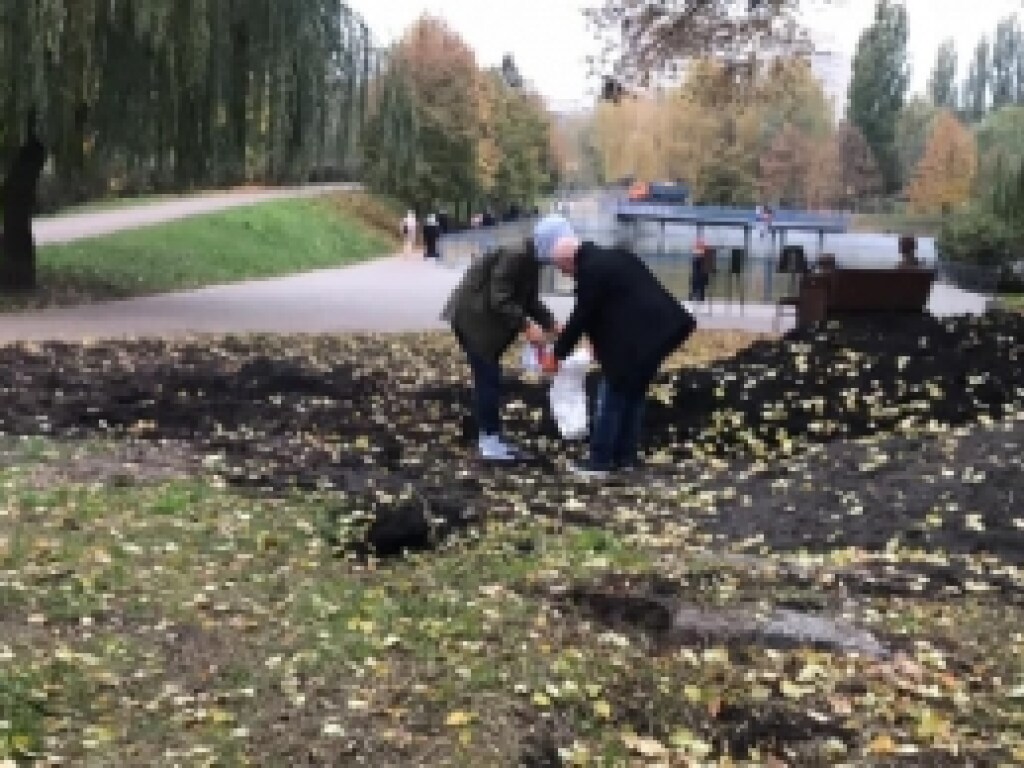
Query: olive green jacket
pixel 498 294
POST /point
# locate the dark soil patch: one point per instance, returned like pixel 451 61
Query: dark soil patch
pixel 386 525
pixel 952 494
pixel 363 415
pixel 775 728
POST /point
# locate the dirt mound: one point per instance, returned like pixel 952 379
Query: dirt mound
pixel 852 379
pixel 372 414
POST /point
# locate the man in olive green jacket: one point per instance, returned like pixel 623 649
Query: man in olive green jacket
pixel 497 299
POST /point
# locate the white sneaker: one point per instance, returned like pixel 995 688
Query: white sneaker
pixel 493 449
pixel 583 471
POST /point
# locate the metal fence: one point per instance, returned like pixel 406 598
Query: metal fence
pixel 758 279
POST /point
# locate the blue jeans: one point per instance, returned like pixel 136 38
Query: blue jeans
pixel 486 390
pixel 615 436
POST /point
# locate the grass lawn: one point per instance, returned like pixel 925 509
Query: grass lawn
pixel 1013 301
pixel 264 240
pixel 902 223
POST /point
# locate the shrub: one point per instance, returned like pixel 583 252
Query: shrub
pixel 980 237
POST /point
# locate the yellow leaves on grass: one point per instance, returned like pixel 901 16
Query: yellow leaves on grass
pixel 459 719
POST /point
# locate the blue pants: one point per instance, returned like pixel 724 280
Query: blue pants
pixel 486 390
pixel 618 419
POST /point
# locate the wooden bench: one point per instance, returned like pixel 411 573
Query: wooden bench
pixel 857 291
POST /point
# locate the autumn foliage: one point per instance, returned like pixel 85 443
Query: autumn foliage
pixel 777 144
pixel 445 131
pixel 945 175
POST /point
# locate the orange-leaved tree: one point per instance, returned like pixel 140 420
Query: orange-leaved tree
pixel 944 177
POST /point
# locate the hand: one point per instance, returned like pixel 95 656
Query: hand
pixel 549 363
pixel 535 334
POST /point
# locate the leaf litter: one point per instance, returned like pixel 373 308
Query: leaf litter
pixel 328 576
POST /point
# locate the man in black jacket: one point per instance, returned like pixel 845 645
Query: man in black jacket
pixel 633 324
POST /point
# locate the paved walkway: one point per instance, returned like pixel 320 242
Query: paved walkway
pixel 386 295
pixel 79 226
pixel 389 295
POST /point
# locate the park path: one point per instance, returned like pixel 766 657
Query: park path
pixel 391 294
pixel 67 228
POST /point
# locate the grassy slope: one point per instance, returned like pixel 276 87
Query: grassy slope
pixel 264 240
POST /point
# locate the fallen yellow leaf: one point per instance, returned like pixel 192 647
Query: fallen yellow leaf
pixel 457 719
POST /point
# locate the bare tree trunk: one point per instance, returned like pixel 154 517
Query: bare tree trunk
pixel 17 248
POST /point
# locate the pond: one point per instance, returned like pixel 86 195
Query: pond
pixel 669 254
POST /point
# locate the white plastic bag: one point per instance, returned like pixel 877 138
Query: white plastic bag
pixel 568 395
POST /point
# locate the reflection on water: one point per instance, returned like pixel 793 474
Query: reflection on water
pixel 670 256
pixel 669 253
pixel 759 282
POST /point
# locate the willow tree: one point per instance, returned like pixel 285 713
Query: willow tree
pixel 139 95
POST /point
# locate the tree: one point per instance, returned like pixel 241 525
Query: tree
pixel 1018 78
pixel 945 176
pixel 859 174
pixel 1005 55
pixel 879 86
pixel 823 185
pixel 1000 141
pixel 786 92
pixel 18 195
pixel 785 167
pixel 695 132
pixel 942 84
pixel 726 177
pixel 976 87
pixel 171 94
pixel 392 143
pixel 444 132
pixel 645 38
pixel 913 128
pixel 443 76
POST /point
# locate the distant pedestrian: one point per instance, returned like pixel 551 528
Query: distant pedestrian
pixel 766 221
pixel 431 237
pixel 408 228
pixel 908 252
pixel 699 272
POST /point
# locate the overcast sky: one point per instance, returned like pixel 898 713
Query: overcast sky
pixel 550 40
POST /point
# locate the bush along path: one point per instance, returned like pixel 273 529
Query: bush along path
pixel 281 550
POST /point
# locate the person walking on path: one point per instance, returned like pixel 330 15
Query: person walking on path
pixel 431 237
pixel 632 323
pixel 409 232
pixel 497 299
pixel 699 272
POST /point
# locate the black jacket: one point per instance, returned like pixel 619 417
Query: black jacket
pixel 494 300
pixel 632 322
